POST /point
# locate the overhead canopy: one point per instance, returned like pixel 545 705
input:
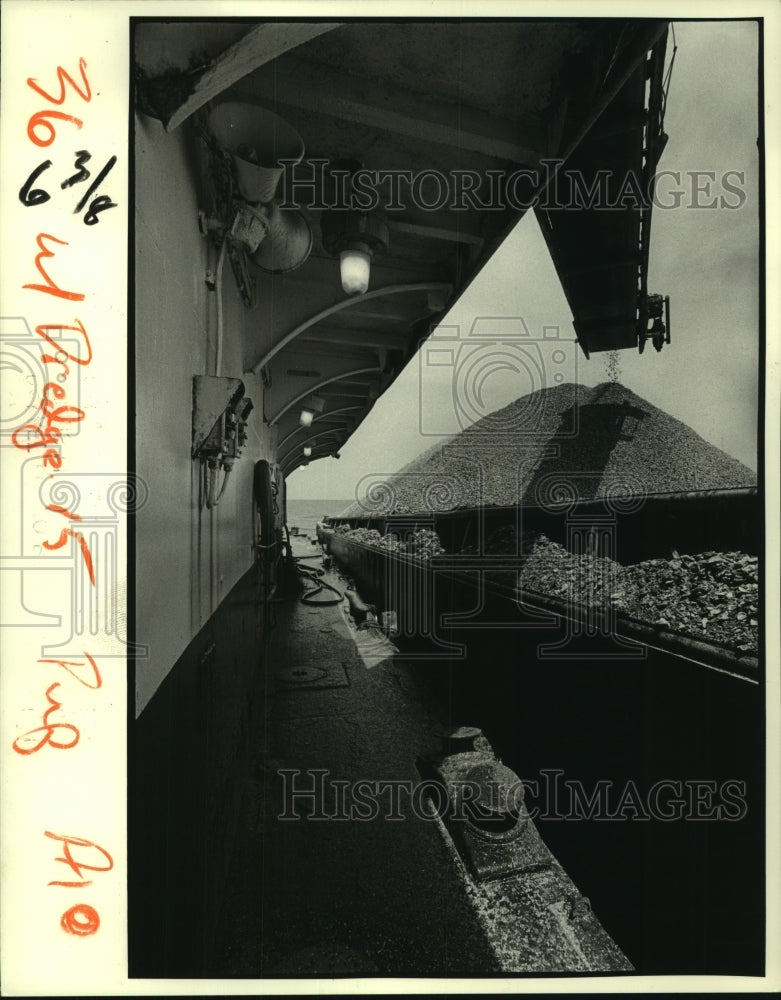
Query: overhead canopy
pixel 492 100
pixel 601 248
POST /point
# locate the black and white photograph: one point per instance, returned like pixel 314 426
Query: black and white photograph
pixel 413 619
pixel 447 358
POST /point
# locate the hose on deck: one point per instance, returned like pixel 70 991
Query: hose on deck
pixel 314 575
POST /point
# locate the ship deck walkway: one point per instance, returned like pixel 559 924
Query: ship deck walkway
pixel 343 896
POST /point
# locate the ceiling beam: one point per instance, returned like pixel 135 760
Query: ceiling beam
pixel 349 383
pixel 307 442
pixel 383 311
pixel 337 307
pixel 323 90
pixel 323 449
pixel 315 389
pixel 355 337
pixel 339 394
pixel 261 45
pixel 448 234
pixel 301 361
pixel 342 424
pixel 292 464
pixel 319 351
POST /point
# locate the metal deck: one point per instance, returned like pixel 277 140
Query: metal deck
pixel 318 896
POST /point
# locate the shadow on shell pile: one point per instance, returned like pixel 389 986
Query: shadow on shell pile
pixel 597 441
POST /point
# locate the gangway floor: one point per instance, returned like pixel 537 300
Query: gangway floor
pixel 318 889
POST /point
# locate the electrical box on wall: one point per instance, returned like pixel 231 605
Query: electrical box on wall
pixel 220 413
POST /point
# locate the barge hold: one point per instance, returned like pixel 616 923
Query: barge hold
pixel 288 307
pixel 572 690
pixel 642 614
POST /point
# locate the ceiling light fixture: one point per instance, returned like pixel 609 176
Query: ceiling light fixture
pixel 312 406
pixel 356 238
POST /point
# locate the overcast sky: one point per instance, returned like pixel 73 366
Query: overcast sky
pixel 705 259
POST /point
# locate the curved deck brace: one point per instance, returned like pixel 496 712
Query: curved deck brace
pixel 292 463
pixel 319 416
pixel 376 293
pixel 312 389
pixel 312 437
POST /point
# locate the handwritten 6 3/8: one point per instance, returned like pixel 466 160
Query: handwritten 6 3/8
pixel 28 195
pixel 41 132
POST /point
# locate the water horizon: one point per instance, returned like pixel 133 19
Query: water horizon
pixel 304 514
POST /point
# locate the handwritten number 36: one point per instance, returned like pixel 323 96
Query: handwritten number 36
pixel 41 121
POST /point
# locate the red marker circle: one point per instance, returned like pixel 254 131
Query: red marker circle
pixel 81 920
